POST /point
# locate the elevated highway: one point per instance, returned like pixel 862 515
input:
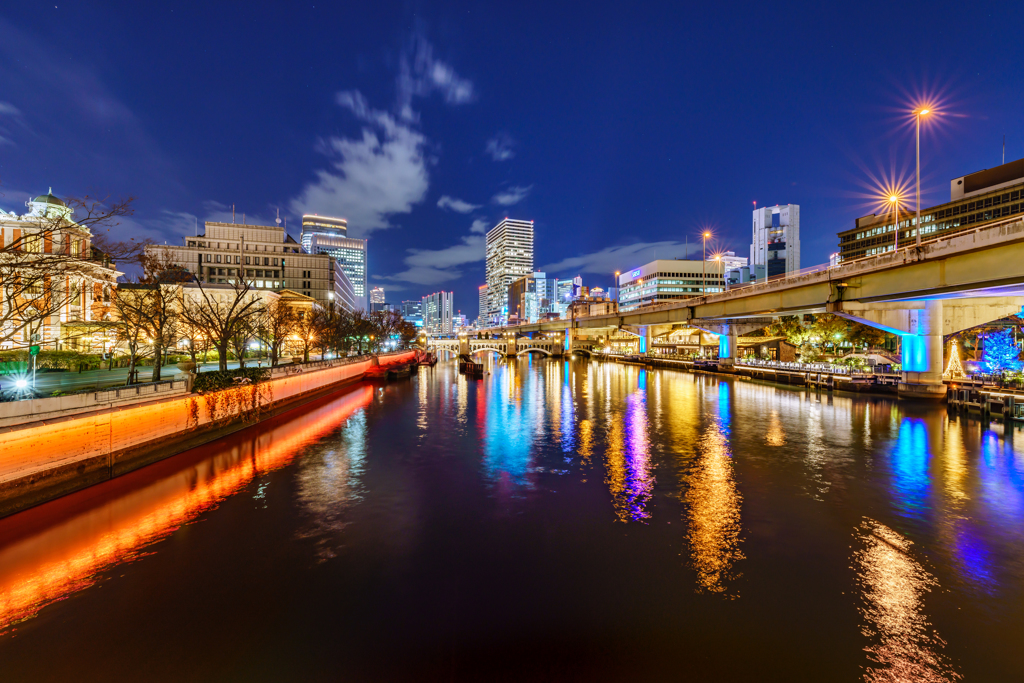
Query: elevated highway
pixel 919 293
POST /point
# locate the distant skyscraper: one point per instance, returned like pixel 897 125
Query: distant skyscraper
pixel 509 257
pixel 377 299
pixel 413 312
pixel 776 239
pixel 324 235
pixel 438 310
pixel 483 320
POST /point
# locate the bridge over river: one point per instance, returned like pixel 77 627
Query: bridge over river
pixel 920 293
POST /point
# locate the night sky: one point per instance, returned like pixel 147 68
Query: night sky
pixel 621 129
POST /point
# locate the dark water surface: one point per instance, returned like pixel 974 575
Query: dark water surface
pixel 554 521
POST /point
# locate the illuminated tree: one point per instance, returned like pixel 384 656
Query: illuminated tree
pixel 1001 353
pixel 954 370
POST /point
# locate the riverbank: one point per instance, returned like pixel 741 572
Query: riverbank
pixel 56 448
pixel 879 385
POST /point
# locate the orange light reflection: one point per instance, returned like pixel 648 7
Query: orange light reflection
pixel 66 558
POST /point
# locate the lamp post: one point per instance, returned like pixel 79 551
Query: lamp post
pixel 704 264
pixel 615 285
pixel 918 114
pixel 895 201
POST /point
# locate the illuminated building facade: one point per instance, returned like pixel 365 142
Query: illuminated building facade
pixel 509 257
pixel 975 199
pixel 776 239
pixel 438 312
pixel 325 235
pixel 667 280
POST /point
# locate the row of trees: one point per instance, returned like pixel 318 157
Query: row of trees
pixel 826 331
pixel 167 308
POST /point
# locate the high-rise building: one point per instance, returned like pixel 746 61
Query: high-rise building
pixel 377 299
pixel 528 297
pixel 776 239
pixel 438 310
pixel 412 311
pixel 509 257
pixel 483 319
pixel 325 235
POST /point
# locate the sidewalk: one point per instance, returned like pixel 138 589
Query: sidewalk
pixel 48 382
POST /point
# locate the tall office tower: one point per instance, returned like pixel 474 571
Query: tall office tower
pixel 509 257
pixel 377 299
pixel 324 235
pixel 438 310
pixel 412 311
pixel 483 320
pixel 776 243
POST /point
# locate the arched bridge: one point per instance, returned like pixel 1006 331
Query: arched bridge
pixel 506 346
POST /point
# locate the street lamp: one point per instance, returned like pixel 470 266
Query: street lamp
pixel 917 115
pixel 895 201
pixel 704 264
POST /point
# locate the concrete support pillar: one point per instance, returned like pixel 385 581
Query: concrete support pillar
pixel 727 347
pixel 464 345
pixel 646 340
pixel 511 346
pixel 922 355
pixel 567 346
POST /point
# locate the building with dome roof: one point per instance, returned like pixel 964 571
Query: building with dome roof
pixel 55 285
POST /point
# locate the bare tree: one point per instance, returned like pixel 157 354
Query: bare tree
pixel 276 322
pixel 43 268
pixel 220 312
pixel 307 327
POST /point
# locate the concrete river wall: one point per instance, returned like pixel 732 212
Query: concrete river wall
pixel 50 447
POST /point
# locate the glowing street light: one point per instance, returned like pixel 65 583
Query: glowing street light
pixel 894 199
pixel 923 111
pixel 704 264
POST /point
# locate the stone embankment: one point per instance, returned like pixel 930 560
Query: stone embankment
pixel 52 446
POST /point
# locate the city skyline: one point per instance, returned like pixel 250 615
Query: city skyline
pixel 422 138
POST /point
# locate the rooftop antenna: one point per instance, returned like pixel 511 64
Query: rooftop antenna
pixel 243 218
pixel 278 219
pixel 196 219
pixel 1004 148
pixel 232 214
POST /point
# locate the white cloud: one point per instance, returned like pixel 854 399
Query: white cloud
pixel 424 74
pixel 500 147
pixel 622 258
pixel 512 195
pixel 370 178
pixel 457 205
pixel 8 109
pixel 434 266
pixel 479 226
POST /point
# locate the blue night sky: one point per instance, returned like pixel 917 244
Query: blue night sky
pixel 621 129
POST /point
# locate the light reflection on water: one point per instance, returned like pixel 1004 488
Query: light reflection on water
pixel 714 506
pixel 758 475
pixel 903 645
pixel 69 555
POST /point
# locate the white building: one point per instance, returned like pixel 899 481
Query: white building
pixel 667 280
pixel 438 313
pixel 509 257
pixel 482 319
pixel 265 255
pixel 325 235
pixel 776 239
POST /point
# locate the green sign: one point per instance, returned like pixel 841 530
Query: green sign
pixel 33 350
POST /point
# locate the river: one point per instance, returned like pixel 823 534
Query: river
pixel 556 520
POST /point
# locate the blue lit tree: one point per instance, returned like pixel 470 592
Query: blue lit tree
pixel 1001 354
